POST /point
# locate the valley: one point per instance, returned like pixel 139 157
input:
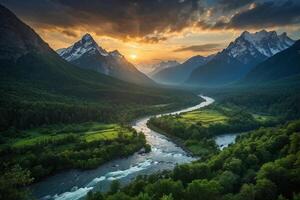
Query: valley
pixel 164 155
pixel 149 100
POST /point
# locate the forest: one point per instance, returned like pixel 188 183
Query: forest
pixel 261 165
pixel 25 106
pixel 280 101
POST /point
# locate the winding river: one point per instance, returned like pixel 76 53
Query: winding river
pixel 165 155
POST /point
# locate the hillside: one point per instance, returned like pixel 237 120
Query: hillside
pixel 38 87
pixel 284 65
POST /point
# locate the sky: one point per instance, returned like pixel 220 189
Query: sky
pixel 149 31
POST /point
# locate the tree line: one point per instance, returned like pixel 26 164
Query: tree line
pixel 262 165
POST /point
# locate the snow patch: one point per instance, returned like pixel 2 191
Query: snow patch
pixel 258 44
pixel 83 46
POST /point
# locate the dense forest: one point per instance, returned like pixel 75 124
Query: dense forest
pixel 261 165
pixel 279 100
pixel 25 106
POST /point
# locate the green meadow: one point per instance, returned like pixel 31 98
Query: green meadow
pixel 206 117
pixel 196 129
pixel 48 149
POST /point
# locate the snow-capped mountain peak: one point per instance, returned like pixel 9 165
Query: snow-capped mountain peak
pixel 262 44
pixel 87 37
pixel 86 45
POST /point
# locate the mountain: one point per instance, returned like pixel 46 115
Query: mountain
pixel 26 57
pixel 87 54
pixel 282 67
pixel 179 73
pixel 234 62
pixel 39 87
pixel 163 65
pixel 252 48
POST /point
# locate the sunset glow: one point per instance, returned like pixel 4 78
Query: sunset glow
pixel 133 56
pixel 168 30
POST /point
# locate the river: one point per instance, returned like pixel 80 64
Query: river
pixel 165 155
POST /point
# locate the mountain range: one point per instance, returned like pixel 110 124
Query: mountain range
pixel 156 68
pixel 179 73
pixel 239 58
pixel 87 54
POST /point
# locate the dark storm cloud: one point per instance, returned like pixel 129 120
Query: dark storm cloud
pixel 123 19
pixel 262 15
pixel 228 5
pixel 43 12
pixel 268 14
pixel 200 48
pixel 151 21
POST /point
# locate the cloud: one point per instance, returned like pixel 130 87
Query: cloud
pixel 229 5
pixel 70 33
pixel 268 14
pixel 152 39
pixel 200 48
pixel 121 19
pixel 260 15
pixel 152 21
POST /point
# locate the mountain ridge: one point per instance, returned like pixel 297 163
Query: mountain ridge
pixel 241 55
pixel 283 65
pixel 178 74
pixel 87 54
pixel 163 65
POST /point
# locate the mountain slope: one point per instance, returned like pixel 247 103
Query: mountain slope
pixel 234 62
pixel 163 65
pixel 38 87
pixel 87 54
pixel 179 73
pixel 282 67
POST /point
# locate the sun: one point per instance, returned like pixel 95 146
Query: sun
pixel 133 56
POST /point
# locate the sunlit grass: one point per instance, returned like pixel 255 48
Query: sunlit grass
pixel 205 117
pixel 37 140
pixel 88 132
pixel 107 134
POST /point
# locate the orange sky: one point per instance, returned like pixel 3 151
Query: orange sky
pixel 141 53
pixel 148 31
pixel 147 52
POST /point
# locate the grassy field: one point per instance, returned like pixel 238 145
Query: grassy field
pixel 107 134
pixel 204 116
pixel 218 115
pixel 88 131
pixel 49 149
